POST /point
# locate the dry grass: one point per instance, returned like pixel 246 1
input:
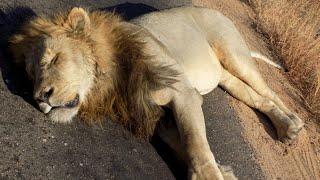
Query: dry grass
pixel 293 27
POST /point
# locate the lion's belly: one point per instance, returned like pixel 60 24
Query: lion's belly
pixel 187 45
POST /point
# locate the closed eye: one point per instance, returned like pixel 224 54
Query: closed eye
pixel 55 59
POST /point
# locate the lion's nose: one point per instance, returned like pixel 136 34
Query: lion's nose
pixel 45 94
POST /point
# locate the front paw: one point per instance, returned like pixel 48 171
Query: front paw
pixel 209 171
pixel 227 173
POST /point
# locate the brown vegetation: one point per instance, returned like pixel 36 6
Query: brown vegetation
pixel 293 27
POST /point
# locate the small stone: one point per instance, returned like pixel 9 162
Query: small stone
pixel 135 150
pixel 44 140
pixel 81 164
pixel 65 144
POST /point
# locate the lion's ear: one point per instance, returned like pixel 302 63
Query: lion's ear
pixel 17 47
pixel 78 20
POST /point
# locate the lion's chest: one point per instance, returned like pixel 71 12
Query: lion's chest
pixel 188 47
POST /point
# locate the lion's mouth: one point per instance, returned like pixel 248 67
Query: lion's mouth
pixel 71 104
pixel 46 108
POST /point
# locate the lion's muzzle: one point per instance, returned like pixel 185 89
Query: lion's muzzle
pixel 46 107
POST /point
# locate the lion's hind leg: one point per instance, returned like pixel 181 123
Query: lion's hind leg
pixel 243 66
pixel 286 128
pixel 234 54
pixel 235 57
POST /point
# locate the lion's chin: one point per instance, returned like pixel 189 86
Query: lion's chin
pixel 63 115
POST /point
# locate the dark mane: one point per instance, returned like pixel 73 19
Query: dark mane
pixel 123 94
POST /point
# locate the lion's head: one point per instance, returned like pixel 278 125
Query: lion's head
pixel 58 55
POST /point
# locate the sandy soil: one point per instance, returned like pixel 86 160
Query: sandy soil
pixel 299 160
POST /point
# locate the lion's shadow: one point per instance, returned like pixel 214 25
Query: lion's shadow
pixel 14 78
pixel 17 82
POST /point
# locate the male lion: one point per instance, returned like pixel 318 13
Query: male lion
pixel 93 64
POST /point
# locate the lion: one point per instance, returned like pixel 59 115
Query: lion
pixel 95 65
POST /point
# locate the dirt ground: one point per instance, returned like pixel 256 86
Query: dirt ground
pixel 301 159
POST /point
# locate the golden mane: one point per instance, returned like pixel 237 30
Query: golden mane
pixel 124 77
pixel 126 99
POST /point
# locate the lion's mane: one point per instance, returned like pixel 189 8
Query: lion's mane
pixel 132 79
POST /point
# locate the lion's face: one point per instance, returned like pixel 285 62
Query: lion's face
pixel 61 74
pixel 59 61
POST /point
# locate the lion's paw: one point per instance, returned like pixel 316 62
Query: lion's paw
pixel 227 173
pixel 289 128
pixel 296 120
pixel 206 172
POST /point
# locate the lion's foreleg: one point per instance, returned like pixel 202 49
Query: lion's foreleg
pixel 186 105
pixel 170 135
